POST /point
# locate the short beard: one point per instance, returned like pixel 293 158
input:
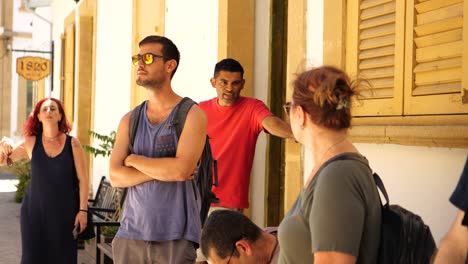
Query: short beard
pixel 150 84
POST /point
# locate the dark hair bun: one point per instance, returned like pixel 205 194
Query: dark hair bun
pixel 325 93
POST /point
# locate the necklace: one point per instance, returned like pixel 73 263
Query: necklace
pixel 316 166
pixel 329 148
pixel 274 249
pixel 50 138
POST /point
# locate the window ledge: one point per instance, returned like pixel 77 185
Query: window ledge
pixel 435 131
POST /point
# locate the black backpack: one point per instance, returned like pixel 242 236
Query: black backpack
pixel 207 175
pixel 404 236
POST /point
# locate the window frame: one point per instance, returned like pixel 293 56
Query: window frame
pixel 428 129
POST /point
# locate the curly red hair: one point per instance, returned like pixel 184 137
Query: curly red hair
pixel 33 127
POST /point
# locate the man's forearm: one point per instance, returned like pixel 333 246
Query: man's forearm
pixel 163 169
pixel 454 246
pixel 450 251
pixel 277 127
pixel 124 176
pixel 283 131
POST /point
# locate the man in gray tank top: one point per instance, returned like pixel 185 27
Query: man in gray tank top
pixel 160 221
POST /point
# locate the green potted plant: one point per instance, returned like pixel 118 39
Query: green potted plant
pixel 104 148
pixel 108 233
pixel 22 170
pixel 106 145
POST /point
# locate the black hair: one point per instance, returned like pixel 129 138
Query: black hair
pixel 169 49
pixel 223 229
pixel 230 65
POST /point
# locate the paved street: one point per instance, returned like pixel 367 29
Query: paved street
pixel 10 241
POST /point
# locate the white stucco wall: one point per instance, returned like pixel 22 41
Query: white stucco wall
pixel 197 40
pixel 113 72
pixel 261 84
pixel 42 39
pixel 314 31
pixel 419 178
pixel 314 52
pixel 22 22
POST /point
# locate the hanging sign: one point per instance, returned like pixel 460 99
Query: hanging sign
pixel 33 68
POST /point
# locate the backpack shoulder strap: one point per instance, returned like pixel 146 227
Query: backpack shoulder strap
pixel 381 186
pixel 181 114
pixel 134 119
pixel 378 181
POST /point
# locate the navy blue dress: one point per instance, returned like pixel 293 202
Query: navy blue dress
pixel 459 196
pixel 49 207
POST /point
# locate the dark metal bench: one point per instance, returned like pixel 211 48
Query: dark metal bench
pixel 106 208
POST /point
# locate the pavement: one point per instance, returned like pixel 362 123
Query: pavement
pixel 10 239
pixel 10 236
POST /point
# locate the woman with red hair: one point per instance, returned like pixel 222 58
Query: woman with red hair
pixel 337 216
pixel 56 199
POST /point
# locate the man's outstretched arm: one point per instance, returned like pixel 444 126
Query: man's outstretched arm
pixel 277 127
pixel 454 246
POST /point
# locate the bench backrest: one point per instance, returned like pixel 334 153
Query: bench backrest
pixel 108 197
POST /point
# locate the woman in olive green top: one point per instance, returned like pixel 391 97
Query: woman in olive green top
pixel 337 216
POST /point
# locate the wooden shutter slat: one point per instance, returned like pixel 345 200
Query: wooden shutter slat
pixel 438 65
pixel 377 93
pixel 434 4
pixel 378 31
pixel 376 11
pixel 437 52
pixel 439 38
pixel 439 26
pixel 376 62
pixel 377 73
pixel 371 3
pixel 437 77
pixel 443 88
pixel 440 14
pixel 381 20
pixel 377 42
pixel 378 52
pixel 381 83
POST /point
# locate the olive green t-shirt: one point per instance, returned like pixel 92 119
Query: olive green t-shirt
pixel 338 211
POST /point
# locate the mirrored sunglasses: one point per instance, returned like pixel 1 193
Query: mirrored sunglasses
pixel 147 58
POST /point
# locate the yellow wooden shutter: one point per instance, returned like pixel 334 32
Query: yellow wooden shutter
pixel 374 51
pixel 69 72
pixel 434 57
pixel 40 86
pixel 84 77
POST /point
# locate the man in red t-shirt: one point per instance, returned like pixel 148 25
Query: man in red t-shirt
pixel 234 123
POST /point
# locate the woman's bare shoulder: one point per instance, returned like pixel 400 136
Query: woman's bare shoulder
pixel 28 142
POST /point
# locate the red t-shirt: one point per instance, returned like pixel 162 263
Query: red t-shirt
pixel 233 132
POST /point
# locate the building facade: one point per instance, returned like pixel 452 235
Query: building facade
pixel 17 24
pixel 412 124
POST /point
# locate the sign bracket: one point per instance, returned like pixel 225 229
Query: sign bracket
pixel 31 51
